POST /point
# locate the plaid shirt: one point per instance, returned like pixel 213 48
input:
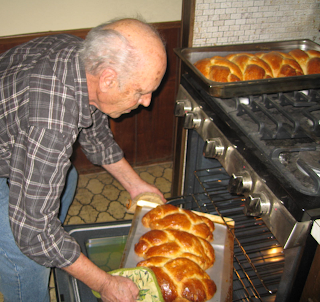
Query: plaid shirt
pixel 43 110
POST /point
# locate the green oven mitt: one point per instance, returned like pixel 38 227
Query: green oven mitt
pixel 146 281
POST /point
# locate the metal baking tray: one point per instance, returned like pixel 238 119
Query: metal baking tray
pixel 222 270
pixel 244 88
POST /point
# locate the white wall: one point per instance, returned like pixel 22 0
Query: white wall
pixel 220 22
pixel 29 16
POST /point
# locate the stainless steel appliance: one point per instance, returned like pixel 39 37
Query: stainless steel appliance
pixel 252 153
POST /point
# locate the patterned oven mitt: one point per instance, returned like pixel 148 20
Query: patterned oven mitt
pixel 146 281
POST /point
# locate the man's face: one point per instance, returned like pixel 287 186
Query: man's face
pixel 136 91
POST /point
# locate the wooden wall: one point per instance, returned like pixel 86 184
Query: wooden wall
pixel 147 134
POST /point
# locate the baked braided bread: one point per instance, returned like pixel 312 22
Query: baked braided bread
pixel 170 217
pixel 181 278
pixel 308 60
pixel 178 252
pixel 173 243
pixel 251 66
pixel 245 66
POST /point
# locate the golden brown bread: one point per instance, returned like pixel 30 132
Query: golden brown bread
pixel 181 278
pixel 308 60
pixel 245 66
pixel 282 64
pixel 219 69
pixel 251 66
pixel 173 244
pixel 168 216
pixel 178 252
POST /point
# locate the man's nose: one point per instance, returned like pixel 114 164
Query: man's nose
pixel 145 100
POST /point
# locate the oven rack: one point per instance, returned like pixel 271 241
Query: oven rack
pixel 258 257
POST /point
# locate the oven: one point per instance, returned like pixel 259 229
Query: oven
pixel 250 151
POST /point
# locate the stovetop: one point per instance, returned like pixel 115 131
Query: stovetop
pixel 285 128
pixel 282 131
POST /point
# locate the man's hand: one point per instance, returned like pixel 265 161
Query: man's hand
pixel 144 187
pixel 130 180
pixel 111 288
pixel 119 289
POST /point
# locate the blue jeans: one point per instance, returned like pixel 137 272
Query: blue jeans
pixel 22 279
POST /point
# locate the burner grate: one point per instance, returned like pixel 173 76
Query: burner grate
pixel 273 117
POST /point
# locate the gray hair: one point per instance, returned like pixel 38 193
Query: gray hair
pixel 104 47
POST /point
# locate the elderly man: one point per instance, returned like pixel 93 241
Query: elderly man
pixel 54 90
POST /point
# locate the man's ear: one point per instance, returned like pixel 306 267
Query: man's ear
pixel 107 79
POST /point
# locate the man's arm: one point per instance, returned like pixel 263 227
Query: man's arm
pixel 130 180
pixel 111 288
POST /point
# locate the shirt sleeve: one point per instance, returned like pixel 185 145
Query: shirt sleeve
pixel 40 162
pixel 98 143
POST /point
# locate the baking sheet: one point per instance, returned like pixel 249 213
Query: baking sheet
pixel 222 270
pixel 244 88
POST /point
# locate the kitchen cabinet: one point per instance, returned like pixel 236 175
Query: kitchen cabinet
pixel 311 291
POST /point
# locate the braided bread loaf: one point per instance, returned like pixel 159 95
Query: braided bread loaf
pixel 252 67
pixel 246 66
pixel 173 244
pixel 178 252
pixel 308 60
pixel 170 217
pixel 181 278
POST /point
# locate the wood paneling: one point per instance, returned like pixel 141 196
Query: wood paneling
pixel 311 292
pixel 145 135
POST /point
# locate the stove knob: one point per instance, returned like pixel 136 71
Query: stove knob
pixel 257 205
pixel 239 184
pixel 181 107
pixel 213 148
pixel 192 120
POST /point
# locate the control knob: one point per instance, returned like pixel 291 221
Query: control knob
pixel 192 120
pixel 257 204
pixel 181 107
pixel 240 183
pixel 213 148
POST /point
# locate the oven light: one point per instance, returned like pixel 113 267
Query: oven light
pixel 244 101
pixel 306 92
pixel 273 251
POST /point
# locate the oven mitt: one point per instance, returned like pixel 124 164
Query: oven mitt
pixel 146 281
pixel 150 197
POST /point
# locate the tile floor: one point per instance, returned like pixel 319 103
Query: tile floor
pixel 100 198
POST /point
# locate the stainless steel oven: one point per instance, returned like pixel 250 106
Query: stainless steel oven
pixel 251 152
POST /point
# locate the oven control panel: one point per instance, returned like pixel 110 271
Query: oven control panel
pixel 259 199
